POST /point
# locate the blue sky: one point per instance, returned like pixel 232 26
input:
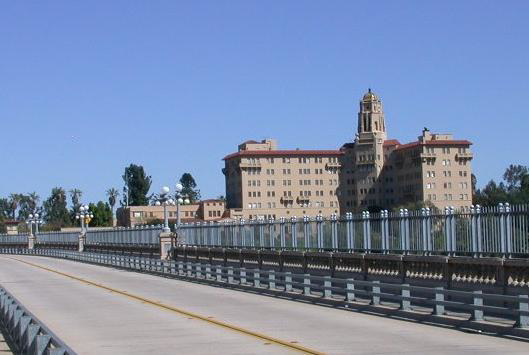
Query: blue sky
pixel 88 87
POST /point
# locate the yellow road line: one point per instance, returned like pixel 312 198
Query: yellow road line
pixel 252 333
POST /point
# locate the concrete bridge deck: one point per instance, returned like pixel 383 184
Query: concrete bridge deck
pixel 99 310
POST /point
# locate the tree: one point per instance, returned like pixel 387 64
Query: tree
pixel 14 200
pixel 5 208
pixel 75 195
pixel 28 205
pixel 138 185
pixel 113 195
pixel 102 214
pixel 189 187
pixel 513 176
pixel 492 194
pixel 55 211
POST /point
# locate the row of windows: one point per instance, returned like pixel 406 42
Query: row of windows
pixel 448 197
pixel 301 160
pixel 214 213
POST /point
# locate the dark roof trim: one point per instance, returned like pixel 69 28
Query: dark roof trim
pixel 260 153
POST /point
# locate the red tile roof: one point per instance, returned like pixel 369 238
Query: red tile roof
pixel 434 142
pixel 391 142
pixel 245 153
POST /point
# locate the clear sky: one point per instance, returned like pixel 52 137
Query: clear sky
pixel 88 87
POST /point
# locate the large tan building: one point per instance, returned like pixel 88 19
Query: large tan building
pixel 370 172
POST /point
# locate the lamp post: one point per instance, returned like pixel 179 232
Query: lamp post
pixel 85 216
pixel 33 219
pixel 126 190
pixel 180 199
pixel 165 199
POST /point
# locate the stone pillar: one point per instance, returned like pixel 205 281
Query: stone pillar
pixel 167 241
pixel 82 241
pixel 32 240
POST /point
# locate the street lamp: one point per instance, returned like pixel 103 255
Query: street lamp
pixel 126 190
pixel 34 219
pixel 180 199
pixel 85 216
pixel 165 199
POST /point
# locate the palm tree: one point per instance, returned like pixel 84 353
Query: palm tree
pixel 113 195
pixel 14 200
pixel 33 200
pixel 75 194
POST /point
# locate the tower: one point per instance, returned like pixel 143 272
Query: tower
pixel 368 157
pixel 371 116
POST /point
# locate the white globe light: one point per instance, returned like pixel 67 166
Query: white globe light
pixel 157 203
pixel 30 215
pixel 180 201
pixel 179 187
pixel 164 190
pixel 170 201
pixel 86 207
pixel 186 201
pixel 76 216
pixel 36 215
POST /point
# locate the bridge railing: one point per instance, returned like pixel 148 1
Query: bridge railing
pixel 327 289
pixel 144 235
pixel 13 239
pixel 26 333
pixel 58 238
pixel 138 235
pixel 500 230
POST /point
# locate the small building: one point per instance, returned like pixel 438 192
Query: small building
pixel 201 211
pixel 12 226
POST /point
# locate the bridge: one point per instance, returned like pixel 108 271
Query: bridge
pixel 335 285
pixel 98 310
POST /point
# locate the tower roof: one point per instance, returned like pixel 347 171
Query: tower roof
pixel 370 96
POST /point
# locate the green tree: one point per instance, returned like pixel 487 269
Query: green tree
pixel 513 176
pixel 112 195
pixel 189 187
pixel 55 211
pixel 5 208
pixel 27 205
pixel 102 214
pixel 75 195
pixel 14 200
pixel 138 185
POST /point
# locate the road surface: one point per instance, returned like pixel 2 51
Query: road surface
pixel 101 310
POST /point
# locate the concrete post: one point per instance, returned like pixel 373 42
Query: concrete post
pixel 334 231
pixel 32 240
pixel 242 276
pixel 271 280
pixel 167 242
pixel 288 281
pixel 375 290
pixel 306 285
pixel 230 274
pixel 350 230
pixel 477 314
pixel 350 295
pixel 319 231
pixel 405 293
pixel 82 241
pixel 327 283
pixel 522 320
pixel 294 232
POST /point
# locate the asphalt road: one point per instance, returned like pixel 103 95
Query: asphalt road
pixel 99 310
